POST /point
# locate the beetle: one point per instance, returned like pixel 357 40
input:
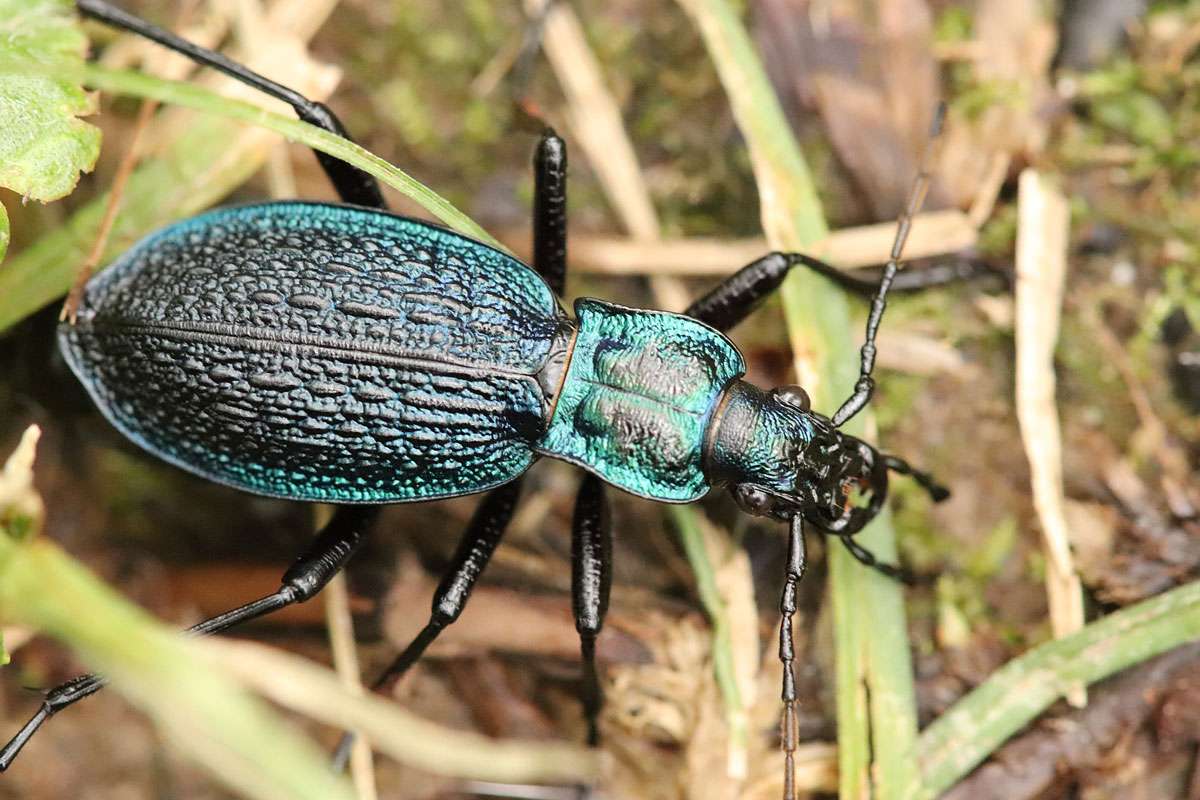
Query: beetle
pixel 338 353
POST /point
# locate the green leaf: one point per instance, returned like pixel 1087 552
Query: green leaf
pixel 43 144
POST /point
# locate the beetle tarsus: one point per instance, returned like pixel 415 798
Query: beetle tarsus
pixel 936 491
pixel 865 557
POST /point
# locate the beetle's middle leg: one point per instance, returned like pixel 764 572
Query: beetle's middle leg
pixel 475 550
pixel 591 580
pixel 591 531
pixel 550 210
pixel 324 558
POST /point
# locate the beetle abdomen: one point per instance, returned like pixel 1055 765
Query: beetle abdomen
pixel 321 352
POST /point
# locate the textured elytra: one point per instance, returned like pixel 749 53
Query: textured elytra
pixel 638 397
pixel 321 352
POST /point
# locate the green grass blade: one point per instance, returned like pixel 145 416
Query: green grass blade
pixel 692 537
pixel 872 646
pixel 202 99
pixel 1020 690
pixel 193 173
pixel 199 709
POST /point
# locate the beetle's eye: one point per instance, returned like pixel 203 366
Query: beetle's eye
pixel 794 396
pixel 752 499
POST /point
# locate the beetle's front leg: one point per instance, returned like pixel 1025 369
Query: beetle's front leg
pixel 327 555
pixel 732 300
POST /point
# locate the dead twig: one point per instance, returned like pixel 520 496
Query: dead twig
pixel 1042 232
pixel 934 233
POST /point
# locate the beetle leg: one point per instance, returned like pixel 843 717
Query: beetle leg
pixel 474 551
pixel 735 298
pixel 352 184
pixel 329 552
pixel 936 491
pixel 865 557
pixel 730 302
pixel 591 579
pixel 550 210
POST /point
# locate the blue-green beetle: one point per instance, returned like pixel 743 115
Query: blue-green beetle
pixel 342 354
pixel 346 355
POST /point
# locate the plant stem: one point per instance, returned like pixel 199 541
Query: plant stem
pixel 875 700
pixel 201 99
pixel 1020 690
pixel 692 537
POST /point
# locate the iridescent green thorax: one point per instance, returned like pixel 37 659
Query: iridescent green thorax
pixel 637 398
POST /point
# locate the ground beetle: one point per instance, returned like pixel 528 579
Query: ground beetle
pixel 342 354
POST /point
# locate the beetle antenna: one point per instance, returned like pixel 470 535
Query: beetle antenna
pixel 865 385
pixel 796 562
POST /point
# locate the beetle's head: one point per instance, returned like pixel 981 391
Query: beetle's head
pixel 781 459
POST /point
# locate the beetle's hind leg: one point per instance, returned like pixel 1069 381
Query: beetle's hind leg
pixel 352 184
pixel 327 555
pixel 475 550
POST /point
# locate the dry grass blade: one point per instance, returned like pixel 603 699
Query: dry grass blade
pixel 934 233
pixel 345 663
pixel 314 691
pixel 1042 234
pixel 595 119
pixel 597 125
pixel 75 294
